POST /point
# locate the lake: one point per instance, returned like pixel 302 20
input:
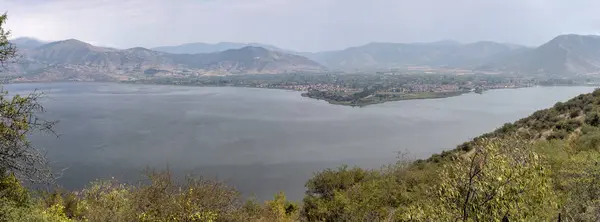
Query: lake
pixel 259 140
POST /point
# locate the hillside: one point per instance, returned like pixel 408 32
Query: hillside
pixel 76 60
pixel 565 55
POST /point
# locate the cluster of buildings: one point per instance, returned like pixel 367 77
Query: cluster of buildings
pixel 415 88
pixel 317 86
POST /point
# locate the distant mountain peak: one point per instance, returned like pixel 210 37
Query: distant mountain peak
pixel 70 43
pixel 74 41
pixel 253 48
pixel 26 38
pixel 573 38
pixel 200 47
pixel 27 42
pixel 139 49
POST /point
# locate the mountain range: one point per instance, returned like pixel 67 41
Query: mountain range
pixel 381 55
pixel 565 55
pixel 76 60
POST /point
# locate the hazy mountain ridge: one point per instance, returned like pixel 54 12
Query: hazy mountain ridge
pixel 76 60
pixel 378 55
pixel 564 55
pixel 27 43
pixel 200 47
pixel 398 55
pixel 250 60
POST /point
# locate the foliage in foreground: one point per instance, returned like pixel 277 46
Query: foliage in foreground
pixel 160 199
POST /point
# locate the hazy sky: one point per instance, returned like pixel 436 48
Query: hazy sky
pixel 305 25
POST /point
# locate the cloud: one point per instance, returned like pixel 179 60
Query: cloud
pixel 306 25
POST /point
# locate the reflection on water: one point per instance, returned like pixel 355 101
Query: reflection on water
pixel 259 140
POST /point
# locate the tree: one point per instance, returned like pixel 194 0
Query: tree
pixel 499 179
pixel 18 118
pixel 7 50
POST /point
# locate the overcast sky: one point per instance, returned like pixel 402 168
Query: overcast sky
pixel 303 25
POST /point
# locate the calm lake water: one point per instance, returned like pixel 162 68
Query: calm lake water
pixel 261 141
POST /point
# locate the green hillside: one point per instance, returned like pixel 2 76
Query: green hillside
pixel 535 169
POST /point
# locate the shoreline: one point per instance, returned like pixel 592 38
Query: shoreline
pixel 414 96
pixel 410 96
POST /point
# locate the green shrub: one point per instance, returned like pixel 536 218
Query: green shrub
pixel 593 119
pixel 589 141
pixel 17 205
pixel 574 113
pixel 558 135
pixel 501 178
pixel 319 202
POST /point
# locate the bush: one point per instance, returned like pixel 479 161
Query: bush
pixel 589 141
pixel 17 205
pixel 568 125
pixel 558 135
pixel 501 179
pixel 160 199
pixel 574 113
pixel 588 108
pixel 593 119
pixel 320 202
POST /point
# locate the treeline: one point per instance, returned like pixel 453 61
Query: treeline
pixel 159 198
pixel 353 99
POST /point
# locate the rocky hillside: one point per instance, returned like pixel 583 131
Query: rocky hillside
pixel 76 60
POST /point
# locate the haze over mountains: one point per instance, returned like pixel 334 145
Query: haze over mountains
pixel 565 55
pixel 200 47
pixel 397 55
pixel 76 60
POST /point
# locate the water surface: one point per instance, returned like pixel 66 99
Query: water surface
pixel 259 140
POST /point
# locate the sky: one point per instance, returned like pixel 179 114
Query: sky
pixel 301 25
